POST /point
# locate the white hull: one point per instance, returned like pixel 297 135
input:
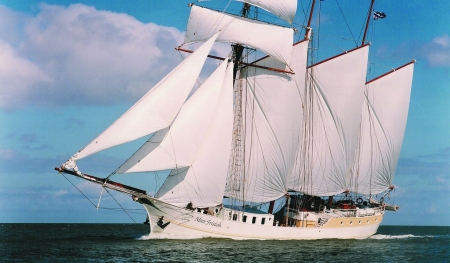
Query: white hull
pixel 185 223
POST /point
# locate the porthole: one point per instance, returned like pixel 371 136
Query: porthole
pixel 368 221
pixel 341 223
pixel 359 222
pixel 376 219
pixel 351 222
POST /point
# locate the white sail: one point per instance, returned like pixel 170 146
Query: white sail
pixel 332 119
pixel 151 112
pixel 149 146
pixel 203 183
pixel 274 40
pixel 272 112
pixel 185 137
pixel 284 9
pixel 383 125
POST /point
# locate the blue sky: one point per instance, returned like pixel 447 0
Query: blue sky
pixel 68 69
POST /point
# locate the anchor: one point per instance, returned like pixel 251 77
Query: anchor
pixel 161 223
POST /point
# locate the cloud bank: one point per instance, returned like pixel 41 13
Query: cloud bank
pixel 78 55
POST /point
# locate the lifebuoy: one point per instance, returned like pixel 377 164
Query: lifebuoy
pixel 359 200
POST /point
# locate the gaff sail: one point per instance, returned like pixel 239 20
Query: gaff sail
pixel 384 115
pixel 331 124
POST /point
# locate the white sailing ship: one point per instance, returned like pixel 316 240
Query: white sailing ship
pixel 318 140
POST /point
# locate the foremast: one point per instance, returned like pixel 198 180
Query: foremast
pixel 237 162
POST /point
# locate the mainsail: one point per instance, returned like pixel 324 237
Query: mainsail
pixel 274 40
pixel 332 116
pixel 385 111
pixel 151 113
pixel 272 112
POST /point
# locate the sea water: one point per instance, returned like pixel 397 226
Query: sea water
pixel 130 243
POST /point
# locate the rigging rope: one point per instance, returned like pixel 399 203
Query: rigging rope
pixel 119 205
pixel 115 209
pixel 356 43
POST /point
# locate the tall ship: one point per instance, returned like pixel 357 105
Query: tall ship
pixel 272 145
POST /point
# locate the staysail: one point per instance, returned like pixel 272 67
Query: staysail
pixel 151 113
pixel 204 182
pixel 272 112
pixel 275 41
pixel 185 136
pixel 385 111
pixel 332 115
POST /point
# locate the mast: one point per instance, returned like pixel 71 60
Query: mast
pixel 308 27
pixel 237 48
pixel 367 23
pixel 238 158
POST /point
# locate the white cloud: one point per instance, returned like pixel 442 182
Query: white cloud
pixel 60 193
pixel 80 55
pixel 17 75
pixel 443 41
pixel 438 51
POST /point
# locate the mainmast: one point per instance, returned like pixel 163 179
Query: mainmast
pixel 308 27
pixel 367 23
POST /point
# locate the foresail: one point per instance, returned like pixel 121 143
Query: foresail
pixel 332 117
pixel 284 9
pixel 151 112
pixel 203 182
pixel 274 40
pixel 149 146
pixel 385 112
pixel 185 137
pixel 272 112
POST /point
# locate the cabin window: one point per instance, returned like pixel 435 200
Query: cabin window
pixel 244 219
pixel 254 220
pixel 263 220
pixel 234 217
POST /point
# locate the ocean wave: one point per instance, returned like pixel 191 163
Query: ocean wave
pixel 379 236
pixel 165 236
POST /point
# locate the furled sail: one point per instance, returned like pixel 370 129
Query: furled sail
pixel 274 40
pixel 151 113
pixel 185 136
pixel 272 112
pixel 332 117
pixel 203 182
pixel 385 111
pixel 284 9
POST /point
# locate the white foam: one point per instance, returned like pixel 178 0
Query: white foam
pixel 393 236
pixel 165 236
